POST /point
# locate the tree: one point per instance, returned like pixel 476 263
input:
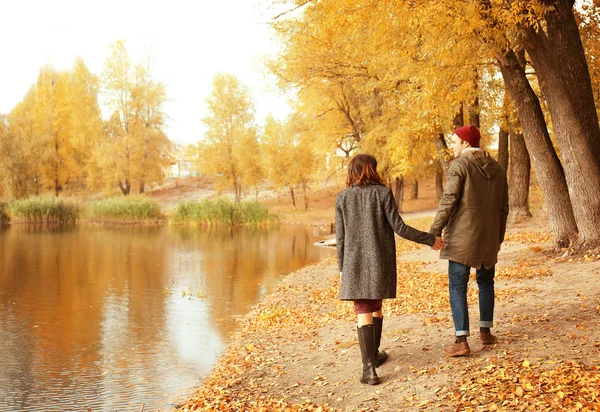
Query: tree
pixel 24 176
pixel 519 175
pixel 421 67
pixel 230 130
pixel 152 148
pixel 546 164
pixel 289 156
pixel 86 121
pixel 53 129
pixel 557 54
pixel 16 180
pixel 277 148
pixel 134 147
pixel 113 156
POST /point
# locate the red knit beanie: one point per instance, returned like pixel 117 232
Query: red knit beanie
pixel 469 134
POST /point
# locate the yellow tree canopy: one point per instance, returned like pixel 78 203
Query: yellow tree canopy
pixel 230 141
pixel 134 148
pixel 365 70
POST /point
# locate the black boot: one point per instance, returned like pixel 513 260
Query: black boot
pixel 366 340
pixel 380 355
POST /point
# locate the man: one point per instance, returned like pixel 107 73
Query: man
pixel 473 210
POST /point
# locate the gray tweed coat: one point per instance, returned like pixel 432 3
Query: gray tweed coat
pixel 366 219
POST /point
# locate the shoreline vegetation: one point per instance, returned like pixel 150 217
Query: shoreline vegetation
pixel 4 219
pixel 134 210
pixel 221 211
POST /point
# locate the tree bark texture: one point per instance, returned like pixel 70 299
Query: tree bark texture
pixel 443 152
pixel 519 177
pixel 414 193
pixel 399 192
pixel 544 159
pixel 558 58
pixel 439 181
pixel 293 196
pixel 459 118
pixel 304 189
pixel 503 147
pixel 125 187
pixel 474 113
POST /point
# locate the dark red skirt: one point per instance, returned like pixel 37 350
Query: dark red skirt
pixel 367 305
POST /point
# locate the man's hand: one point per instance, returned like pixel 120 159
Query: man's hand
pixel 439 243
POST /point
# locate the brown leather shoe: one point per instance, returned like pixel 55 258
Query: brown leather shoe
pixel 459 349
pixel 487 338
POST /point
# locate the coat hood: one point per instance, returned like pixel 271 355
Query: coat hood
pixel 483 162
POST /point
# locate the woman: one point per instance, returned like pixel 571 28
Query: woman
pixel 366 218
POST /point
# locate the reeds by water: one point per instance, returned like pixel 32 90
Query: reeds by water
pixel 135 209
pixel 44 210
pixel 221 212
pixel 124 210
pixel 4 219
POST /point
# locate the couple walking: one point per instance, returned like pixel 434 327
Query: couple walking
pixel 473 212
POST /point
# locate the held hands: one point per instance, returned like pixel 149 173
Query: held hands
pixel 439 243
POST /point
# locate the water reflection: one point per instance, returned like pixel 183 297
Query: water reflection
pixel 95 317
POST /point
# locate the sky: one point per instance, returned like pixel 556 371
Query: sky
pixel 190 41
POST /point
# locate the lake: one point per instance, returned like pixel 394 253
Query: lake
pixel 97 318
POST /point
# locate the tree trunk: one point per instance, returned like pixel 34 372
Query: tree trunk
pixel 305 196
pixel 399 192
pixel 443 152
pixel 142 188
pixel 503 147
pixel 474 108
pixel 459 118
pixel 56 161
pixel 474 113
pixel 439 181
pixel 560 64
pixel 237 190
pixel 293 197
pixel 414 193
pixel 519 175
pixel 544 159
pixel 125 188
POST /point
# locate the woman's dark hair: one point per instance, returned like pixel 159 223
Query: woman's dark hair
pixel 362 171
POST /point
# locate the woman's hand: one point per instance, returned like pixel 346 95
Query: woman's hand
pixel 439 243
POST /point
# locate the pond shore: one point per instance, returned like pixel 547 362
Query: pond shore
pixel 298 350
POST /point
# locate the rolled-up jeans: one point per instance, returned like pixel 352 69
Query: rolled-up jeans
pixel 458 282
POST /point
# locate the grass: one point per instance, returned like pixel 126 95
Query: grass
pixel 44 210
pixel 125 209
pixel 221 211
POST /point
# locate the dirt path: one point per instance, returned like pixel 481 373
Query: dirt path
pixel 297 350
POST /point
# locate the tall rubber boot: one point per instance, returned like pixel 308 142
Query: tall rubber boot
pixel 380 355
pixel 366 339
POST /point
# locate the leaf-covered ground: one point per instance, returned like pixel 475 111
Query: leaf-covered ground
pixel 298 351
